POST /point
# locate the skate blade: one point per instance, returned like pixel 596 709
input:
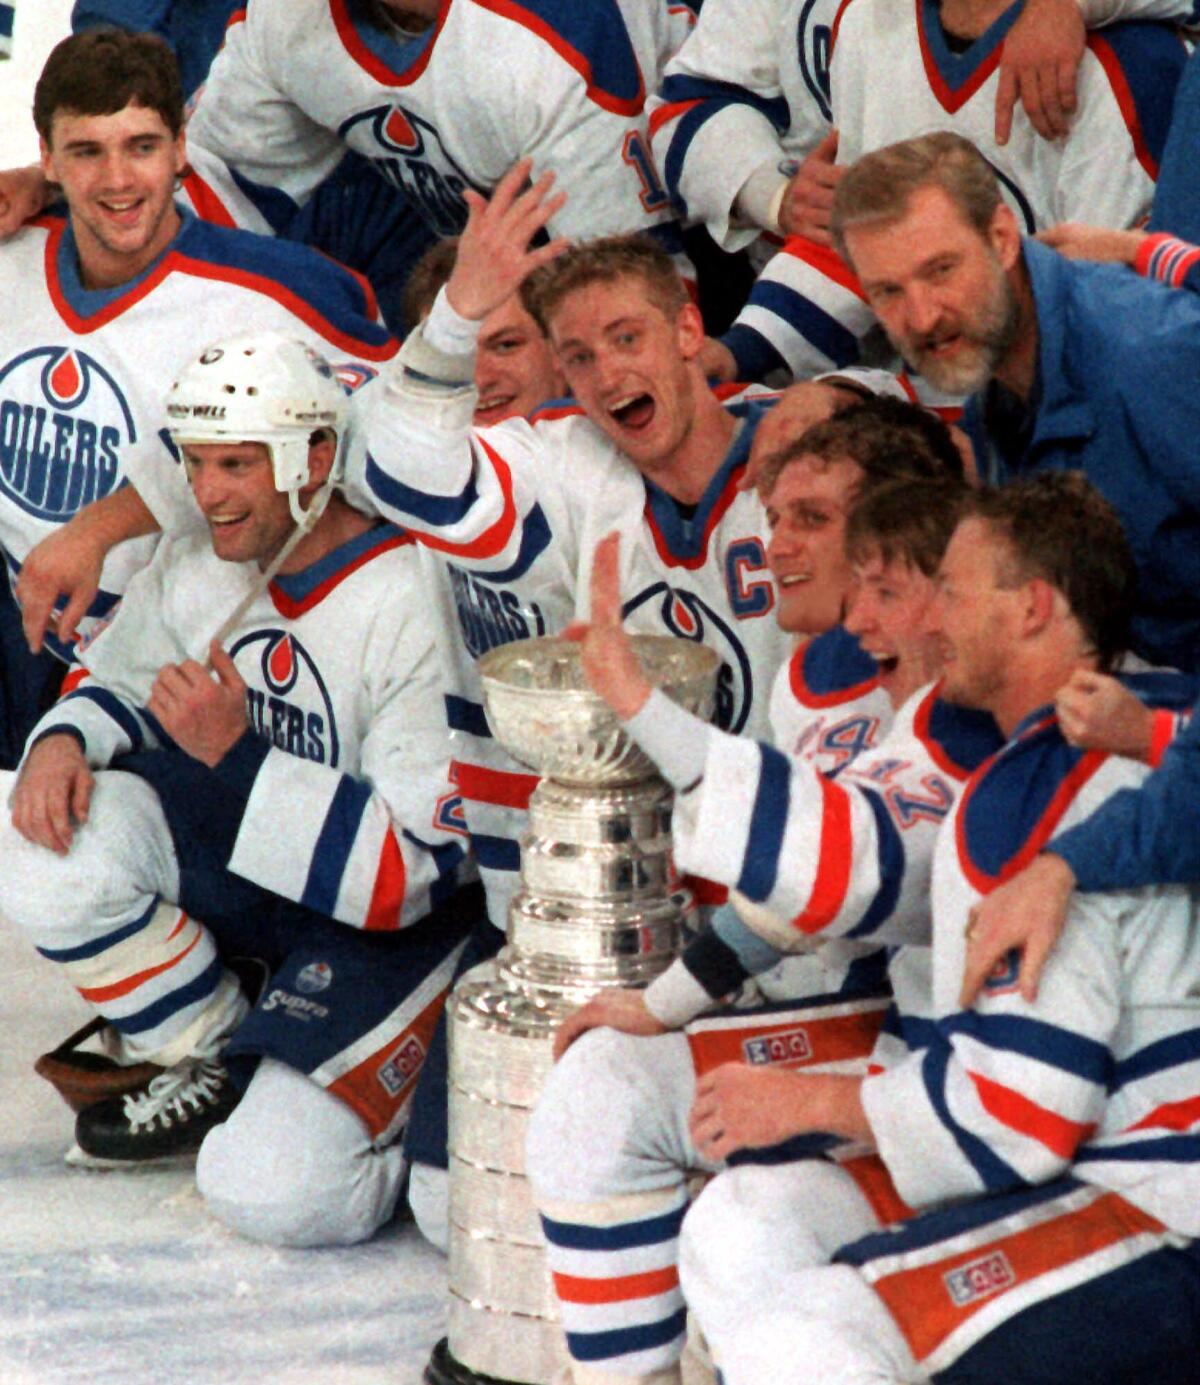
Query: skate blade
pixel 78 1158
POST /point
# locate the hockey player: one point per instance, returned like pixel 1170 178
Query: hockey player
pixel 110 294
pixel 807 311
pixel 824 852
pixel 982 311
pixel 354 216
pixel 741 126
pixel 1062 1130
pixel 163 792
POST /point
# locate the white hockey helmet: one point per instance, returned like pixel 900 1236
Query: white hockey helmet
pixel 262 387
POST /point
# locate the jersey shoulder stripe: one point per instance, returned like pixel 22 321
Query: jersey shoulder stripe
pixel 1143 63
pixel 555 408
pixel 683 87
pixel 327 297
pixel 593 39
pixel 1015 800
pixel 206 202
pixel 832 669
pixel 334 300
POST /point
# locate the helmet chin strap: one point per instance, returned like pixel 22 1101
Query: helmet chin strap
pixel 306 521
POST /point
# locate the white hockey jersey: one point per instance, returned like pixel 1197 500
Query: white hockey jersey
pixel 455 108
pixel 806 312
pixel 84 373
pixel 746 96
pixel 347 757
pixel 1100 1076
pixel 517 510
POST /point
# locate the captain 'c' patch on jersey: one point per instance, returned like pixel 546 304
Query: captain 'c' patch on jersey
pixel 63 423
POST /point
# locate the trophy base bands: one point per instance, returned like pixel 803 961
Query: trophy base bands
pixel 443 1369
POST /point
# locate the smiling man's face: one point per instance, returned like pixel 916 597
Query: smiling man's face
pixel 806 511
pixel 626 361
pixel 117 174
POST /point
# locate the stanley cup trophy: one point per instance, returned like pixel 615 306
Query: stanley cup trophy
pixel 598 906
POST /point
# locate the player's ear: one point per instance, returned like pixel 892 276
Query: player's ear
pixel 1042 603
pixel 47 160
pixel 1004 235
pixel 181 164
pixel 689 330
pixel 320 460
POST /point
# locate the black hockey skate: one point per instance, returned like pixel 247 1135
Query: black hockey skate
pixel 165 1119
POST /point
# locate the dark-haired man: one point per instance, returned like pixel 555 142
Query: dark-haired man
pixel 980 310
pixel 109 294
pixel 1035 1162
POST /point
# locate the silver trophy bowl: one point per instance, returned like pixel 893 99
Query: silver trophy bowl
pixel 542 711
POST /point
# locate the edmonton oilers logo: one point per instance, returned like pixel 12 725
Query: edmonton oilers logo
pixel 396 132
pixel 280 666
pixel 687 616
pixel 408 151
pixel 287 700
pixel 314 978
pixel 63 424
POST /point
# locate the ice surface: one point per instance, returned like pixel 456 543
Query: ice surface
pixel 123 1277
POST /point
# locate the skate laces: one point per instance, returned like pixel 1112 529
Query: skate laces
pixel 176 1094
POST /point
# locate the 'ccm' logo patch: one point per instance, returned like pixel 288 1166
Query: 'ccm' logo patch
pixel 788 1046
pixel 402 1066
pixel 989 1275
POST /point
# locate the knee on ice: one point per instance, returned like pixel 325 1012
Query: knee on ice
pixel 294 1167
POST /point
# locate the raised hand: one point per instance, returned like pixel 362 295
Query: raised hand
pixel 609 661
pixel 494 254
